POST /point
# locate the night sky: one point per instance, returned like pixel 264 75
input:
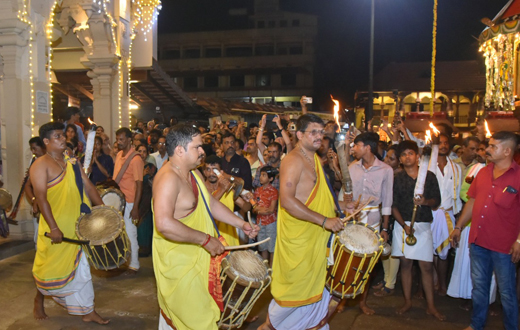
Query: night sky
pixel 403 33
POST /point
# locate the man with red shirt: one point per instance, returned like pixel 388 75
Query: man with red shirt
pixel 493 207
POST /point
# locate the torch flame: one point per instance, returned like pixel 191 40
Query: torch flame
pixel 428 136
pixel 336 112
pixel 90 121
pixel 488 132
pixel 434 129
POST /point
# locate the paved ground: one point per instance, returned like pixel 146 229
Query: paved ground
pixel 131 303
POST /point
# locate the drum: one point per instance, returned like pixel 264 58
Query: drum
pixel 356 250
pixel 113 197
pixel 104 227
pixel 6 200
pixel 245 276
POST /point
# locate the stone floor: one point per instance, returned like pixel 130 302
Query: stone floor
pixel 131 303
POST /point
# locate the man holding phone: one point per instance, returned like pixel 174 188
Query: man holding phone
pixel 493 207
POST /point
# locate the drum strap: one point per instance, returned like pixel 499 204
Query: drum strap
pixel 207 208
pixel 79 183
pixel 341 214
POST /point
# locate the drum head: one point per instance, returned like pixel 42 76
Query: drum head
pixel 248 265
pixel 101 226
pixel 6 200
pixel 113 197
pixel 358 238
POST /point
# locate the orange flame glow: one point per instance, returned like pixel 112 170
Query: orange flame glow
pixel 336 112
pixel 427 136
pixel 488 132
pixel 434 129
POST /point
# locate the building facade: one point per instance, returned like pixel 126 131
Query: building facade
pixel 270 60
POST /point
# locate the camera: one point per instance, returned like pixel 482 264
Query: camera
pixel 292 127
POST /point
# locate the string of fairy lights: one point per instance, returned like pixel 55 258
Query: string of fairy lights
pixel 499 54
pixel 434 55
pixel 145 16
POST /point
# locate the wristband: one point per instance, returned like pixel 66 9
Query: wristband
pixel 385 229
pixel 54 228
pixel 208 237
pixel 323 223
pixel 460 229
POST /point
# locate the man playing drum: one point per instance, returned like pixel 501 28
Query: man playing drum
pixel 184 241
pixel 61 270
pixel 305 218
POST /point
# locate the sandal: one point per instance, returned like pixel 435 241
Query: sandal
pixel 379 285
pixel 384 292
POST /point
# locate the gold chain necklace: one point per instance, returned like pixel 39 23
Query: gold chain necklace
pixel 310 162
pixel 62 169
pixel 180 174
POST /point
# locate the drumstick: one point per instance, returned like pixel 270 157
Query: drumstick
pixel 359 209
pixel 70 240
pixel 245 246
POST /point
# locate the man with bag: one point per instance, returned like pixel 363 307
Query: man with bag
pixel 128 174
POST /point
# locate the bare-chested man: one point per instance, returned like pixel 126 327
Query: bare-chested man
pixel 184 242
pixel 61 270
pixel 305 220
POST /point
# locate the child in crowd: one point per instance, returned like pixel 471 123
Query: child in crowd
pixel 266 211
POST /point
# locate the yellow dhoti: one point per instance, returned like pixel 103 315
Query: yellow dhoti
pixel 55 264
pixel 300 257
pixel 182 273
pixel 226 230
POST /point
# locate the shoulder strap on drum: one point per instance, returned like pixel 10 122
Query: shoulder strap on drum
pixel 125 165
pixel 341 214
pixel 79 183
pixel 207 207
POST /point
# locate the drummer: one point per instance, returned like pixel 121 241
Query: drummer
pixel 402 209
pixel 305 219
pixel 184 238
pixel 61 270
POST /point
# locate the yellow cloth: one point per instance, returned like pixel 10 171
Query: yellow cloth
pixel 182 273
pixel 226 230
pixel 55 264
pixel 300 257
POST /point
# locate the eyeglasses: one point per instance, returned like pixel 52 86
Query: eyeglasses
pixel 162 143
pixel 315 132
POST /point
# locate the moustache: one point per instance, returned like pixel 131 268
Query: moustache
pixel 488 154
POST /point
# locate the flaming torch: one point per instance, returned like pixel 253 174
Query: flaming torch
pixel 427 137
pixel 342 155
pixel 488 132
pixel 89 149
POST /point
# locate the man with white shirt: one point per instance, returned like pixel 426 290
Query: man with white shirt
pixel 160 156
pixel 449 176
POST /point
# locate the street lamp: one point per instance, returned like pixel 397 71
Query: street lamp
pixel 369 111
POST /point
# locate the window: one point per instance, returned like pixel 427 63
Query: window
pixel 169 54
pixel 264 50
pixel 190 82
pixel 192 53
pixel 211 81
pixel 237 81
pixel 260 24
pixel 239 51
pixel 272 24
pixel 263 80
pixel 288 79
pixel 213 52
pixel 283 23
pixel 296 22
pixel 296 50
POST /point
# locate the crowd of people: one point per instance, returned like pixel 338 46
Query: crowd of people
pixel 286 175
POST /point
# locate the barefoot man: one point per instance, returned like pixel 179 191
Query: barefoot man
pixel 61 270
pixel 402 209
pixel 306 217
pixel 183 243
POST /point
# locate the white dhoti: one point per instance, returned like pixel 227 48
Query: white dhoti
pixel 77 296
pixel 303 317
pixel 460 282
pixel 163 325
pixel 131 231
pixel 422 250
pixel 442 226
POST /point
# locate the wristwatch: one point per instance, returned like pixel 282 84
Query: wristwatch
pixel 385 229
